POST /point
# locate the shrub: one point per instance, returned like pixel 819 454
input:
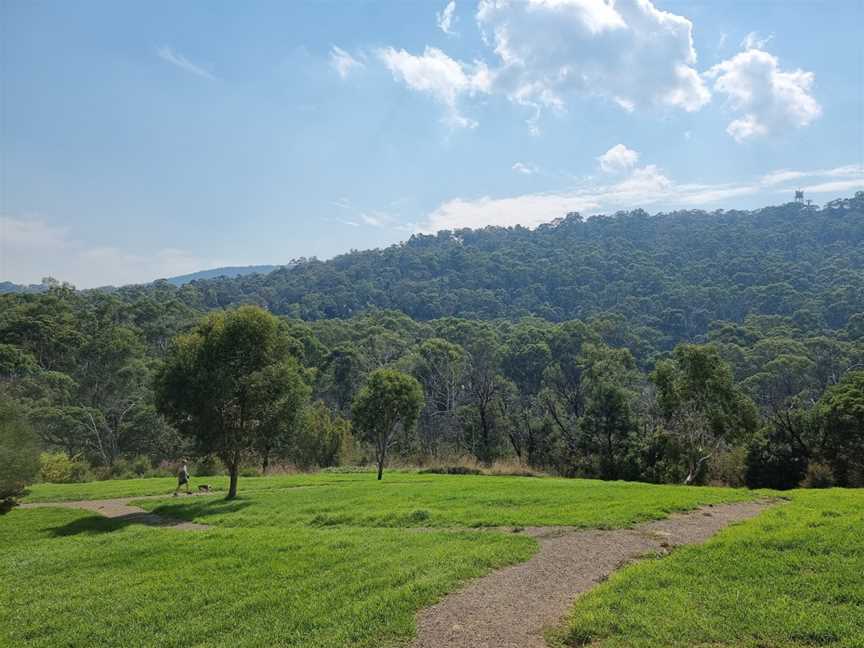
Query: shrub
pixel 206 467
pixel 19 455
pixel 450 470
pixel 818 475
pixel 60 468
pixel 728 468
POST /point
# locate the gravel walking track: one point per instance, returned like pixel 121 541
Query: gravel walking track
pixel 512 607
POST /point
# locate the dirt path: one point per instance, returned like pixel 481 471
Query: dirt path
pixel 120 509
pixel 511 608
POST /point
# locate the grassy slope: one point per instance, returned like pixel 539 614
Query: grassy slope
pixel 274 570
pixel 790 578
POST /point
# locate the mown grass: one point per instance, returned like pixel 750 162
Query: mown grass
pixel 792 577
pixel 412 500
pixel 302 560
pixel 68 578
pixel 114 488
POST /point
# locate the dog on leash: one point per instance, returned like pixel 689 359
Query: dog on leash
pixel 204 488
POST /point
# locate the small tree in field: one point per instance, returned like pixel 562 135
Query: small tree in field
pixel 19 455
pixel 389 400
pixel 214 379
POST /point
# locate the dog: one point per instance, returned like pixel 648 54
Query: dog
pixel 204 488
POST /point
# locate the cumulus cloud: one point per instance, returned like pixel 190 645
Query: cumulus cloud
pixel 628 52
pixel 178 60
pixel 771 100
pixel 446 19
pixel 343 62
pixel 443 78
pixel 33 248
pixel 617 159
pixel 525 168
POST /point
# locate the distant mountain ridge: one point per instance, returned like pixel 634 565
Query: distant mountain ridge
pixel 227 271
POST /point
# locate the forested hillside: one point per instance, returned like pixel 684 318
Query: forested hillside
pixel 688 346
pixel 675 272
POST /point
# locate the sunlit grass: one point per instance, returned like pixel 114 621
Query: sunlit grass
pixel 299 560
pixel 792 577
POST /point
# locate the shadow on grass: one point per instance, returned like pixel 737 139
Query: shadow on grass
pixel 98 524
pixel 167 516
pixel 191 511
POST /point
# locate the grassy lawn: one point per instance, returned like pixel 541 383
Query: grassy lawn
pixel 793 577
pixel 306 561
pixel 166 485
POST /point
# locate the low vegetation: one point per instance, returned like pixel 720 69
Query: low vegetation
pixel 790 578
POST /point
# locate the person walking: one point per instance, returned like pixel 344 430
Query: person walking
pixel 182 478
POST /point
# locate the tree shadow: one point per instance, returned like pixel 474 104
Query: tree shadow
pixel 189 511
pixel 180 516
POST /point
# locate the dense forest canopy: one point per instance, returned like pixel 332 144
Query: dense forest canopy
pixel 675 273
pixel 689 346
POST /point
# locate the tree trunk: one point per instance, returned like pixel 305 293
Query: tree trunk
pixel 380 469
pixel 233 471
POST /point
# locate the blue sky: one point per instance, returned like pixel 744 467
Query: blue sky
pixel 142 140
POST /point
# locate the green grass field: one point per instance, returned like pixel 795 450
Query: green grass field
pixel 793 577
pixel 306 560
pixel 331 560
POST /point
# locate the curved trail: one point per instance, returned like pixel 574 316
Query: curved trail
pixel 511 608
pixel 120 509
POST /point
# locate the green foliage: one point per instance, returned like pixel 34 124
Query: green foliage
pixel 226 385
pixel 700 404
pixel 60 468
pixel 19 455
pixel 322 438
pixel 388 403
pixel 841 413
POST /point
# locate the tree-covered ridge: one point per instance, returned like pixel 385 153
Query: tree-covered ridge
pixel 768 391
pixel 674 273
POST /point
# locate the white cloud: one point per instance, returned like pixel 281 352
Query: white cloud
pixel 645 186
pixel 628 52
pixel 446 19
pixel 439 76
pixel 618 159
pixel 31 248
pixel 525 168
pixel 343 62
pixel 180 61
pixel 771 99
pixel 754 41
pixel 843 178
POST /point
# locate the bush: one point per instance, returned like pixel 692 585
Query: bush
pixel 728 468
pixel 774 462
pixel 19 455
pixel 450 470
pixel 818 475
pixel 60 468
pixel 206 467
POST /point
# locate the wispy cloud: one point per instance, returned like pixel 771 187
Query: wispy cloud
pixel 754 40
pixel 343 62
pixel 647 186
pixel 175 58
pixel 525 168
pixel 446 19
